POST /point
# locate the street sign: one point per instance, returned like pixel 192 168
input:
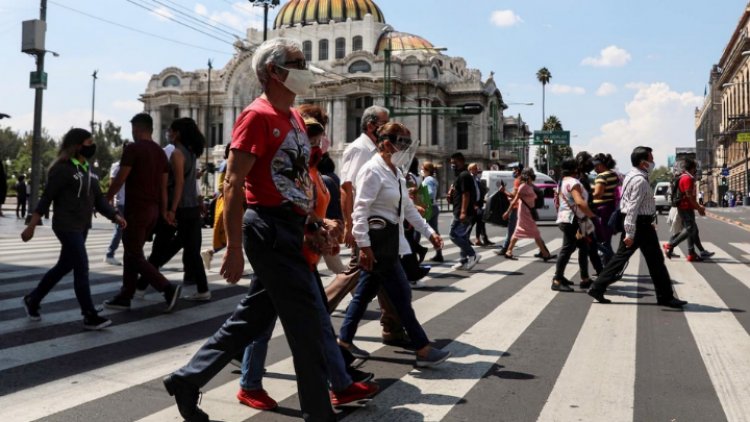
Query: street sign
pixel 743 137
pixel 559 137
pixel 725 172
pixel 38 80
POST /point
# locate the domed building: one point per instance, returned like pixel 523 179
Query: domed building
pixel 355 47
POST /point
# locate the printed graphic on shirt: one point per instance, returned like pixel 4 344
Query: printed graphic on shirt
pixel 289 169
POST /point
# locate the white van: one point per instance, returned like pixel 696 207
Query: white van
pixel 493 178
pixel 662 197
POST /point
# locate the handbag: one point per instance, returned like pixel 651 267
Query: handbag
pixel 532 210
pixel 384 236
pixel 616 221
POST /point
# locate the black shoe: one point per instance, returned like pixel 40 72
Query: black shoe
pixel 359 376
pixel 403 341
pixel 437 258
pixel 32 311
pixel 548 257
pixel 561 287
pixel 487 242
pixel 672 303
pixel 565 282
pixel 171 295
pixel 186 397
pixel 586 284
pixel 118 302
pixel 95 322
pixel 539 255
pixel 599 296
pixel 500 251
pixel 421 253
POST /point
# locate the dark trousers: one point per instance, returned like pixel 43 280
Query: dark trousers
pixel 72 257
pixel 689 231
pixel 570 243
pixel 481 232
pixel 140 224
pixel 433 222
pixel 393 280
pixel 21 207
pixel 186 236
pixel 273 243
pixel 648 242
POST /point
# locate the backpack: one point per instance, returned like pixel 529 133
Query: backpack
pixel 498 204
pixel 539 201
pixel 675 193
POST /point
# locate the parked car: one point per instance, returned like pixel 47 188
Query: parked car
pixel 662 197
pixel 544 182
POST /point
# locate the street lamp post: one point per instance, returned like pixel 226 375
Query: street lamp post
pixel 209 141
pixel 93 99
pixel 267 4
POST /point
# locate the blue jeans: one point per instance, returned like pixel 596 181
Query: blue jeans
pixel 393 279
pixel 73 257
pixel 273 244
pixel 116 235
pixel 254 360
pixel 460 234
pixel 512 220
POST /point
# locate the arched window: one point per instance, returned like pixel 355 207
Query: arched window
pixel 435 73
pixel 340 48
pixel 357 43
pixel 171 81
pixel 307 50
pixel 323 50
pixel 360 66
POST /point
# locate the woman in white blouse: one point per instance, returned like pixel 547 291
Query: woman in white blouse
pixel 381 191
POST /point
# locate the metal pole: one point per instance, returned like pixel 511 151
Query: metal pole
pixel 36 145
pixel 209 143
pixel 746 198
pixel 93 100
pixel 265 21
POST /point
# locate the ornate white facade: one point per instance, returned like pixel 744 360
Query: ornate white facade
pixel 349 46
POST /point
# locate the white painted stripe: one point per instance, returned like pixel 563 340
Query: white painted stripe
pixel 723 343
pixel 725 261
pixel 59 395
pixel 215 402
pixel 597 382
pixel 744 247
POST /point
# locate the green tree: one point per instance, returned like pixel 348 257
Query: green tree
pixel 555 153
pixel 543 75
pixel 109 142
pixel 660 174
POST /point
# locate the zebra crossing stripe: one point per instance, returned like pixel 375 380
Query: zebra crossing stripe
pixel 723 343
pixel 69 392
pixel 744 247
pixel 597 381
pixel 214 401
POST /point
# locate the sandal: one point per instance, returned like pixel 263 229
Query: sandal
pixel 548 257
pixel 510 256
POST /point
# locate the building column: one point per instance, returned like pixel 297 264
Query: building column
pixel 156 116
pixel 228 111
pixel 340 120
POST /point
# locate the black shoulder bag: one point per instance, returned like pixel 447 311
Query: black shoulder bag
pixel 384 237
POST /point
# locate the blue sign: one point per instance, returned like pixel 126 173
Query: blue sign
pixel 725 172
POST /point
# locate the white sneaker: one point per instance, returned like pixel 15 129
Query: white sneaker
pixel 459 266
pixel 199 297
pixel 419 284
pixel 140 294
pixel 473 260
pixel 207 255
pixel 111 260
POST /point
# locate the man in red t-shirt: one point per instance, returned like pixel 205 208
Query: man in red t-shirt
pixel 269 157
pixel 144 166
pixel 686 210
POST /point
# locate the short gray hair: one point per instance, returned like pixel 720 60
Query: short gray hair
pixel 371 115
pixel 273 51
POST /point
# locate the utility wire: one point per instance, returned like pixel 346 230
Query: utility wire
pixel 136 30
pixel 142 6
pixel 190 15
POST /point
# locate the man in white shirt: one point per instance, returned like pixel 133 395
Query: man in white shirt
pixel 356 155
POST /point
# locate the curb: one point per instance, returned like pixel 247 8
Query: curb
pixel 728 220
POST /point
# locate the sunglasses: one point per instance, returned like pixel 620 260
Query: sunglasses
pixel 300 64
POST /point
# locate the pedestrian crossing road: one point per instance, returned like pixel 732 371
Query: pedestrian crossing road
pixel 521 352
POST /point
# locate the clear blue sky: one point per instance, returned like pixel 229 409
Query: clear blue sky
pixel 648 61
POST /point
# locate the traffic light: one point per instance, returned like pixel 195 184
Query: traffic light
pixel 723 181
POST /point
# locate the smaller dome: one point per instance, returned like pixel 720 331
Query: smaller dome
pixel 402 41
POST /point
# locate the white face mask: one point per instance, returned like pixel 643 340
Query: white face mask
pixel 298 80
pixel 651 166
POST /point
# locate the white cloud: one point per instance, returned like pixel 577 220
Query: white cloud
pixel 605 89
pixel 635 86
pixel 162 13
pixel 140 77
pixel 657 117
pixel 505 18
pixel 242 16
pixel 134 106
pixel 612 56
pixel 566 89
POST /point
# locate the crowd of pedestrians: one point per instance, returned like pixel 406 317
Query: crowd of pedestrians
pixel 281 205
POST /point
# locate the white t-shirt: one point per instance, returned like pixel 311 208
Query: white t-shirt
pixel 565 213
pixel 356 155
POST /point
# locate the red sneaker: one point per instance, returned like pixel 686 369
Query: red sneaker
pixel 694 258
pixel 356 391
pixel 257 399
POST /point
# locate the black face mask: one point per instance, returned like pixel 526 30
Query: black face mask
pixel 88 151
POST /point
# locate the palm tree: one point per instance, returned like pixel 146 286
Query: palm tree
pixel 543 75
pixel 552 123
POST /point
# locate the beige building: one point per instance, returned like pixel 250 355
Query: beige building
pixel 348 41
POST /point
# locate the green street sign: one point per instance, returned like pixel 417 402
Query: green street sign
pixel 743 137
pixel 38 80
pixel 546 137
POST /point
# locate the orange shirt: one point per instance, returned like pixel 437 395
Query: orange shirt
pixel 321 199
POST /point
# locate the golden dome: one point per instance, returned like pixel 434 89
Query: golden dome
pixel 306 12
pixel 403 41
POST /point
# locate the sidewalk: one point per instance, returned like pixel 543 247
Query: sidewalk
pixel 739 216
